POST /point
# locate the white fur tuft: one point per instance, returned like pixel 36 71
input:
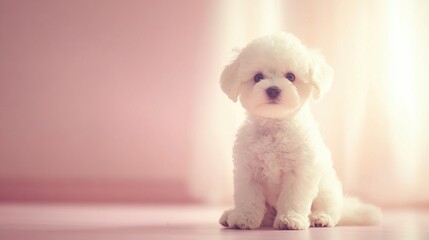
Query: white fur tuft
pixel 356 212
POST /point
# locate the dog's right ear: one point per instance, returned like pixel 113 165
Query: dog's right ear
pixel 229 82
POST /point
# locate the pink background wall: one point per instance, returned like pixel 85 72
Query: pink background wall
pixel 96 97
pixel 119 100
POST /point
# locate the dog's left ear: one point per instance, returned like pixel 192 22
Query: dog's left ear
pixel 321 74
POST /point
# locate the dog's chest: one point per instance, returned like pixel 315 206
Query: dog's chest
pixel 275 152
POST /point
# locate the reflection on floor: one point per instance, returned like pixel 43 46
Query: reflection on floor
pixel 66 221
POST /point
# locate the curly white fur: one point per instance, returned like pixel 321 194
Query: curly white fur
pixel 283 173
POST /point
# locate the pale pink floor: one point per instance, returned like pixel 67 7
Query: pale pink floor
pixel 59 221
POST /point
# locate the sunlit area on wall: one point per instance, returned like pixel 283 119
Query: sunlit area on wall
pixel 402 50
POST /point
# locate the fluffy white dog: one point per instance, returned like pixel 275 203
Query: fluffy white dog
pixel 283 173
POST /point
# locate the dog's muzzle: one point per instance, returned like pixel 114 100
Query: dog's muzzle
pixel 273 92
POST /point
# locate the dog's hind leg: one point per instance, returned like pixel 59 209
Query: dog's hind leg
pixel 270 215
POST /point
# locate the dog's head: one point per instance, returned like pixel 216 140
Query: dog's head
pixel 275 75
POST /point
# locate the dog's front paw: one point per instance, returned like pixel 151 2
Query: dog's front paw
pixel 241 219
pixel 291 221
pixel 224 218
pixel 321 220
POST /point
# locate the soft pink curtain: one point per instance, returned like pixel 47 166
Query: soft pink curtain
pixel 374 119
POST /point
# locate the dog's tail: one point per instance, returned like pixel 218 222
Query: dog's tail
pixel 356 212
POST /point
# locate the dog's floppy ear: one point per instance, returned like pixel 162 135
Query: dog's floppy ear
pixel 321 74
pixel 229 82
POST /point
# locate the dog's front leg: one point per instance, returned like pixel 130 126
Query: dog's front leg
pixel 299 188
pixel 249 203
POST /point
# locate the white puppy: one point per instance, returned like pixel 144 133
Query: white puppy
pixel 283 173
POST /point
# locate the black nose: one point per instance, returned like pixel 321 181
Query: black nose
pixel 273 92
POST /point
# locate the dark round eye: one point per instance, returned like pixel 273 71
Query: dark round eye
pixel 290 76
pixel 258 77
